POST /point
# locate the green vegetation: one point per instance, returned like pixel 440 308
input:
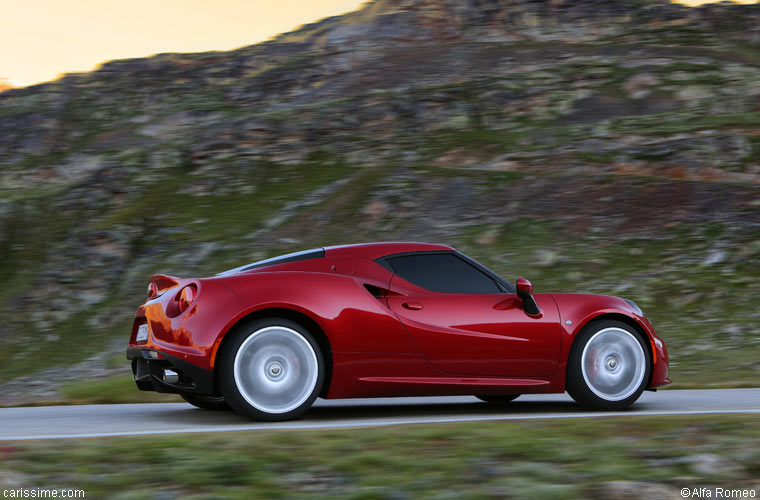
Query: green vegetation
pixel 111 390
pixel 670 124
pixel 226 207
pixel 539 459
pixel 117 389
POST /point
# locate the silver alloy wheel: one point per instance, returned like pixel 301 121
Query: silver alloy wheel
pixel 613 364
pixel 275 369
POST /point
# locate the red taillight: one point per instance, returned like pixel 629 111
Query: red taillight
pixel 186 297
pixel 158 285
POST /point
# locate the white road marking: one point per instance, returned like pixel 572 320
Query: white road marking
pixel 93 421
pixel 372 423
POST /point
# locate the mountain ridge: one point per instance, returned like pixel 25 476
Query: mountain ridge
pixel 505 14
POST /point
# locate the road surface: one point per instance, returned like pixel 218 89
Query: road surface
pixel 55 422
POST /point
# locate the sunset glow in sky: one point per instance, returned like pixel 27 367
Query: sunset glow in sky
pixel 41 39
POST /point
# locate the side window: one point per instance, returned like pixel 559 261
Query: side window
pixel 291 257
pixel 442 273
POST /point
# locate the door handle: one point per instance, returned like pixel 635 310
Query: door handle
pixel 412 306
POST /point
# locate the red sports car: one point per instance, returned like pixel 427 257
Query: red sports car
pixel 384 319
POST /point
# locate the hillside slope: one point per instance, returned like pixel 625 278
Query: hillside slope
pixel 593 145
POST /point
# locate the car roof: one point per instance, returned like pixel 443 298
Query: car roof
pixel 373 251
pixel 369 251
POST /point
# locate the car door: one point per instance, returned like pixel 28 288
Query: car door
pixel 465 323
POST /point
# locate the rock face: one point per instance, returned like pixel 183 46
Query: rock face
pixel 447 120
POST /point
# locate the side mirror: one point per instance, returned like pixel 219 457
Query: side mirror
pixel 525 292
pixel 524 287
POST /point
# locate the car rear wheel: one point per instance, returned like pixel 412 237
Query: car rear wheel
pixel 272 369
pixel 609 366
pixel 500 399
pixel 206 402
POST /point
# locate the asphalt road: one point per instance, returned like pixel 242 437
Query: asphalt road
pixel 56 422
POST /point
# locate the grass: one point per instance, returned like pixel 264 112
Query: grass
pixel 227 213
pixel 538 459
pixel 665 123
pixel 120 389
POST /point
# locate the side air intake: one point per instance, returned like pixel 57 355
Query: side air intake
pixel 376 291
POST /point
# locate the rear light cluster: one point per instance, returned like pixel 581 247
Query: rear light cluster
pixel 186 297
pixel 159 284
pixel 182 300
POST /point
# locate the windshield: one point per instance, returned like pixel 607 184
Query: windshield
pixel 504 283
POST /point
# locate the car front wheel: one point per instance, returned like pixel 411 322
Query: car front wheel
pixel 608 367
pixel 272 369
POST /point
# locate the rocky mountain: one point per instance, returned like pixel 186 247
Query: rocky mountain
pixel 594 145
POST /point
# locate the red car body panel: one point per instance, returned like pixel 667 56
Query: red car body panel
pixel 480 334
pixel 436 344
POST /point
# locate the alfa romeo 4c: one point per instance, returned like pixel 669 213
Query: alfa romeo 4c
pixel 384 319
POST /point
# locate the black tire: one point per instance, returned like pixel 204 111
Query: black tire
pixel 285 346
pixel 589 387
pixel 499 400
pixel 206 402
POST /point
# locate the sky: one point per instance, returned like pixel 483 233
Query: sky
pixel 42 39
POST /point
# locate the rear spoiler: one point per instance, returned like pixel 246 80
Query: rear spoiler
pixel 163 282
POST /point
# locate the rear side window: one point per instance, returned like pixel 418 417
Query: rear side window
pixel 291 257
pixel 442 272
pixel 317 253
